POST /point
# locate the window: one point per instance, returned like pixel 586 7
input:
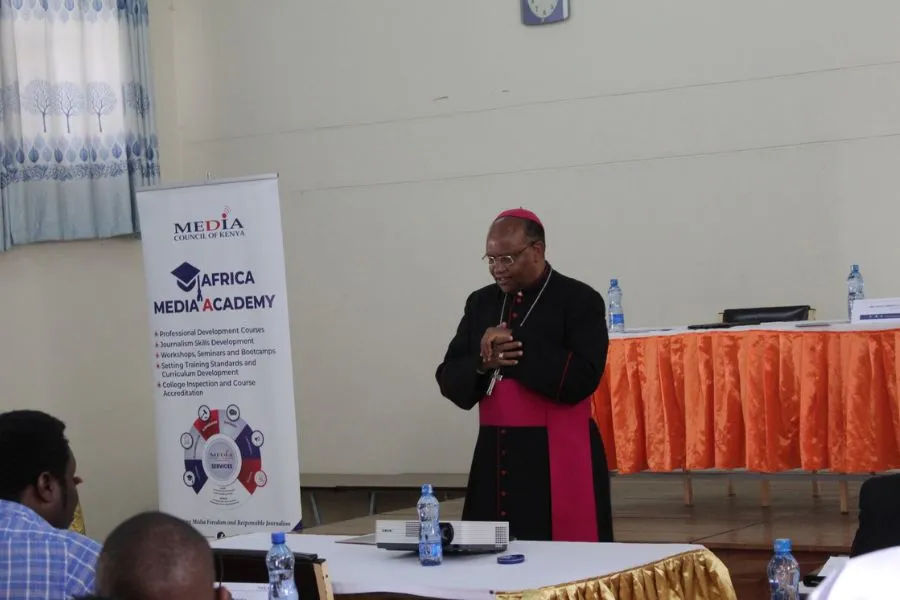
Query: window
pixel 77 133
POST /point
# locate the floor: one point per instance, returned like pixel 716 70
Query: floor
pixel 736 527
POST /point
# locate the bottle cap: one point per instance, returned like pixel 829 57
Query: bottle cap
pixel 511 559
pixel 277 537
pixel 427 489
pixel 782 546
pixel 613 282
pixel 855 267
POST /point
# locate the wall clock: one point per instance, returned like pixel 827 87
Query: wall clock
pixel 543 12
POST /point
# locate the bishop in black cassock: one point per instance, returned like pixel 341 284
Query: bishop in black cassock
pixel 529 352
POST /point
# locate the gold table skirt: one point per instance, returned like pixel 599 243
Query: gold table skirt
pixel 78 522
pixel 696 575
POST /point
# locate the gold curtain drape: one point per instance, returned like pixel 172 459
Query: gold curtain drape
pixel 697 575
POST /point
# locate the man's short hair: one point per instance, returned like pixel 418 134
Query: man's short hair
pixel 534 231
pixel 151 555
pixel 31 443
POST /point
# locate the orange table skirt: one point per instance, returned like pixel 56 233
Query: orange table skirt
pixel 766 401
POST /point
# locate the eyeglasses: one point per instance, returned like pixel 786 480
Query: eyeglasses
pixel 507 260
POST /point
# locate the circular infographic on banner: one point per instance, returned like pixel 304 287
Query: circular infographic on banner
pixel 222 457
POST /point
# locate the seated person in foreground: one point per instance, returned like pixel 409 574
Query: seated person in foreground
pixel 39 558
pixel 870 576
pixel 155 556
pixel 879 519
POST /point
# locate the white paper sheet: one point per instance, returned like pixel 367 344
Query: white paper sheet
pixel 247 591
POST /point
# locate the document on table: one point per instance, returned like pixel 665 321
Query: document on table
pixel 829 572
pixel 875 309
pixel 248 591
pixel 363 540
pixel 833 565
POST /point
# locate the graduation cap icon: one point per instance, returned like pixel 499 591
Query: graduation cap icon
pixel 188 277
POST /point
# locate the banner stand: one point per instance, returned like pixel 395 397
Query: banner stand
pixel 227 451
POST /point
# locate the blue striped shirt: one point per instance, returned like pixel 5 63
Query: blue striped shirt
pixel 40 562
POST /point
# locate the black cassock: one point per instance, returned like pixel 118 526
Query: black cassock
pixel 565 341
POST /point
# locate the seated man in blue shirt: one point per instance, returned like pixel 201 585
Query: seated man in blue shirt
pixel 39 559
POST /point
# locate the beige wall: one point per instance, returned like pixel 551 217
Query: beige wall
pixel 708 154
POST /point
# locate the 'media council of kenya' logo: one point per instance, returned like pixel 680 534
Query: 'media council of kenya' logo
pixel 192 280
pixel 210 229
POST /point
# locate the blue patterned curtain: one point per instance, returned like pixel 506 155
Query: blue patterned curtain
pixel 77 131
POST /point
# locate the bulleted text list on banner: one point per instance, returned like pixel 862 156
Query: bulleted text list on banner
pixel 221 355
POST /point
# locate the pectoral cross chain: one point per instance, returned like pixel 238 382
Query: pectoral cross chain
pixel 497 376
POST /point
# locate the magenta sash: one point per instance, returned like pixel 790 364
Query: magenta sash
pixel 573 507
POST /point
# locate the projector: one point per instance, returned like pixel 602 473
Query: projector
pixel 457 537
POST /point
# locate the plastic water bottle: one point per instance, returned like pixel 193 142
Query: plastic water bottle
pixel 784 573
pixel 280 562
pixel 431 549
pixel 615 316
pixel 855 289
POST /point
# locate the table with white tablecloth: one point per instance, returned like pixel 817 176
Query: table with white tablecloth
pixel 551 570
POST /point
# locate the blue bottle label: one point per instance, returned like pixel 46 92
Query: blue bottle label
pixel 618 319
